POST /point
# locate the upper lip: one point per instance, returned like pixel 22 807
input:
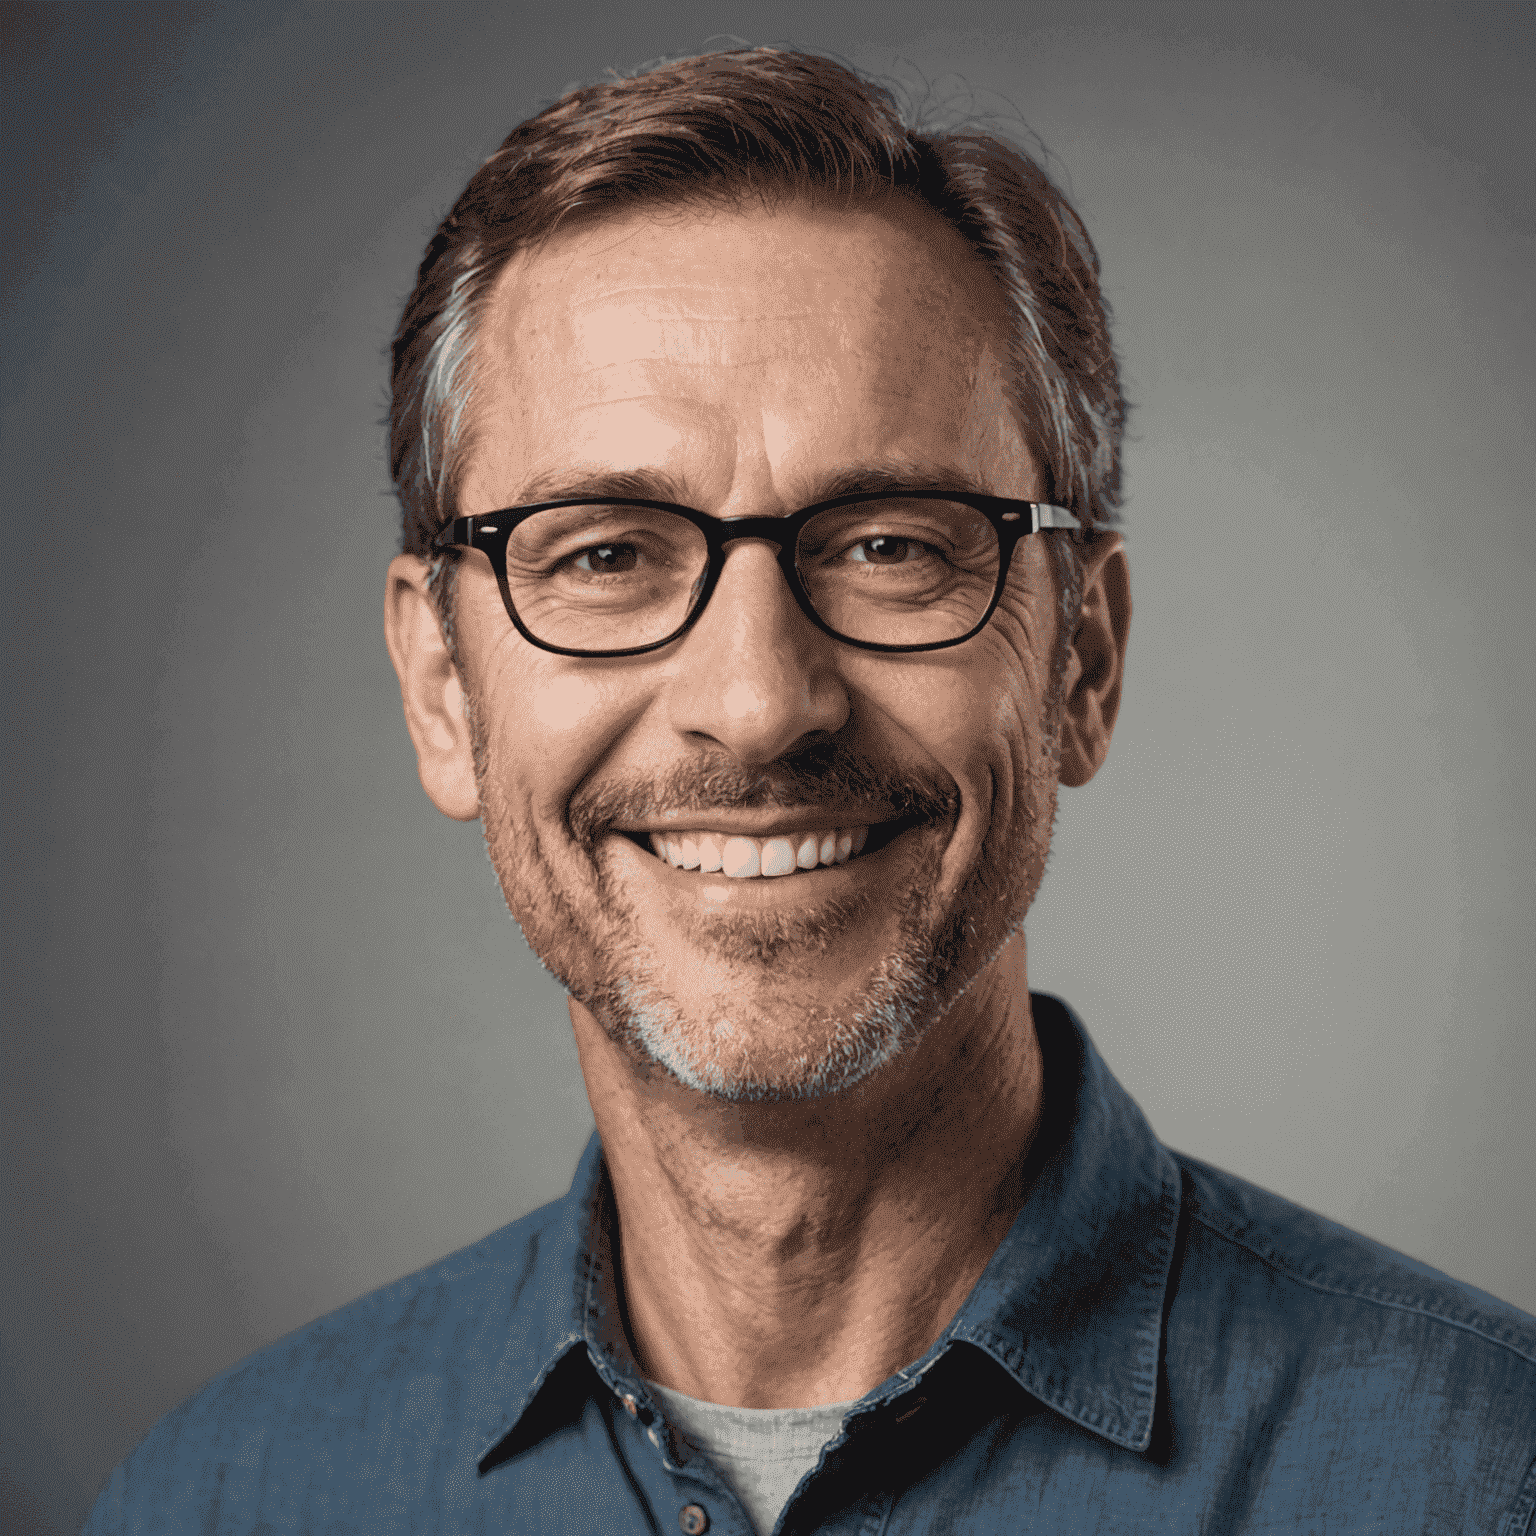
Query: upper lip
pixel 755 823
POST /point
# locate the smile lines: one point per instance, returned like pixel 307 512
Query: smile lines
pixel 746 858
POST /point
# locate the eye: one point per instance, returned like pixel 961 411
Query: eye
pixel 607 559
pixel 884 549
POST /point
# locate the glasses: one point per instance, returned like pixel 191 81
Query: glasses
pixel 903 571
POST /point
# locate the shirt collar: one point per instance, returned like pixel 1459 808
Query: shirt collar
pixel 1070 1305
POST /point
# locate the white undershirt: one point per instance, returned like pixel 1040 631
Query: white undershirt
pixel 762 1453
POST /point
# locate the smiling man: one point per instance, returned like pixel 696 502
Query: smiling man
pixel 757 456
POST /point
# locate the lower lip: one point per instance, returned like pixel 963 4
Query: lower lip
pixel 795 890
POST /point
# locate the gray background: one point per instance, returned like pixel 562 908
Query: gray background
pixel 271 1039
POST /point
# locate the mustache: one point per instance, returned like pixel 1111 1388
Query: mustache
pixel 823 773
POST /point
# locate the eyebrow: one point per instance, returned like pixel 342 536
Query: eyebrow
pixel 657 485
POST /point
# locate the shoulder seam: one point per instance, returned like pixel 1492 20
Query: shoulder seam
pixel 1351 1294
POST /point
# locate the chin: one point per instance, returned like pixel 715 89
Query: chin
pixel 766 1043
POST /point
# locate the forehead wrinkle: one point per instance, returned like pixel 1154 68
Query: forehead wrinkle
pixel 679 310
pixel 620 338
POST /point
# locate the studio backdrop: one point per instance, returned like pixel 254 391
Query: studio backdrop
pixel 271 1037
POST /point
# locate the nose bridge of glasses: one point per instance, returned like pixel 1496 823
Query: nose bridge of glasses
pixel 757 530
pixel 733 533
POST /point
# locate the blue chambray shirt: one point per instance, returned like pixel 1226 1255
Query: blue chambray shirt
pixel 1156 1346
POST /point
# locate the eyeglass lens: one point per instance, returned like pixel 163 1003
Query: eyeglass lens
pixel 895 572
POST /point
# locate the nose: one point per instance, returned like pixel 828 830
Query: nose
pixel 754 674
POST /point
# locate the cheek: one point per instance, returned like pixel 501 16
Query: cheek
pixel 964 714
pixel 1023 631
pixel 551 726
pixel 564 707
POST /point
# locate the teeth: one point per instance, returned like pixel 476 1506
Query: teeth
pixel 778 856
pixel 746 858
pixel 740 858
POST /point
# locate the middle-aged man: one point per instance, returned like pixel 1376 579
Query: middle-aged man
pixel 756 456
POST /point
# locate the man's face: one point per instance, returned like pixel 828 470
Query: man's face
pixel 742 363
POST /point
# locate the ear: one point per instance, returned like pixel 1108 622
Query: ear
pixel 1096 663
pixel 430 690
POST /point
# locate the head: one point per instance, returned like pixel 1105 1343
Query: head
pixel 742 284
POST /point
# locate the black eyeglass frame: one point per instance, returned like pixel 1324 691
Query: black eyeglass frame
pixel 1011 520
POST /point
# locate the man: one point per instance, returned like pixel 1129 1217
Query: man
pixel 757 456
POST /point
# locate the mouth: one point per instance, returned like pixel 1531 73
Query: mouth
pixel 800 851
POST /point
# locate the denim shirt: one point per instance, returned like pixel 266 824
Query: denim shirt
pixel 1155 1346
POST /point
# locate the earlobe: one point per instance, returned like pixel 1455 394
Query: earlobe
pixel 430 690
pixel 1096 664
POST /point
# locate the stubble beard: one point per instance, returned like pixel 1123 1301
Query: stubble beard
pixel 762 1034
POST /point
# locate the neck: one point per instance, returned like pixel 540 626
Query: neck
pixel 788 1254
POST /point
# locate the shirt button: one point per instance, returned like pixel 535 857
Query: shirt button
pixel 693 1520
pixel 630 1406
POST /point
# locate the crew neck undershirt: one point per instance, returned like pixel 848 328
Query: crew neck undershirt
pixel 762 1453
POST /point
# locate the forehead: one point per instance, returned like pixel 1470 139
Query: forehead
pixel 756 345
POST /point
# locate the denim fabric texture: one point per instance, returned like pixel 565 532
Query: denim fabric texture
pixel 1156 1346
